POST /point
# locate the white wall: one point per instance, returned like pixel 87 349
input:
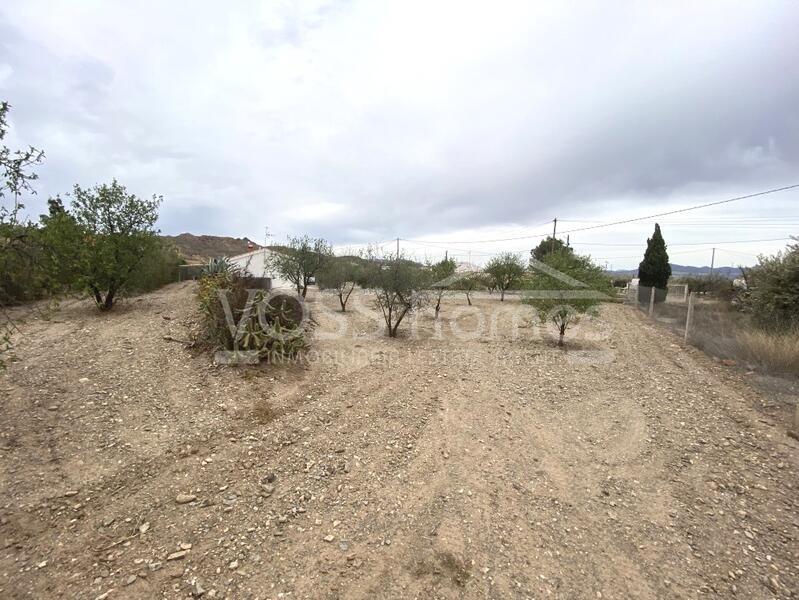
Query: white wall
pixel 255 265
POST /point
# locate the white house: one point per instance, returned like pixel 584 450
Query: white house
pixel 255 263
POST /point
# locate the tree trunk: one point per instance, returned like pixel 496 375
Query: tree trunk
pixel 502 295
pixel 342 302
pixel 562 333
pixel 468 299
pixel 98 297
pixel 109 300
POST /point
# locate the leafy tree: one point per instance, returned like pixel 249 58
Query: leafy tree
pixel 441 274
pixel 655 270
pixel 339 274
pixel 20 278
pixel 300 260
pixel 158 267
pixel 505 270
pixel 63 242
pixel 16 172
pixel 487 282
pixel 119 234
pixel 19 249
pixel 398 285
pixel 548 246
pixel 468 284
pixel 563 300
pixel 773 290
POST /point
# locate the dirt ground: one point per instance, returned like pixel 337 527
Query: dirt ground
pixel 444 464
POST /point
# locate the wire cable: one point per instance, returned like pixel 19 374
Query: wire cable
pixel 623 221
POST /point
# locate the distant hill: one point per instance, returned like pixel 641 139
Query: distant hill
pixel 686 271
pixel 201 248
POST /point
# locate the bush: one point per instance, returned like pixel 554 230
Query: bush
pixel 158 268
pixel 717 286
pixel 773 290
pixel 620 282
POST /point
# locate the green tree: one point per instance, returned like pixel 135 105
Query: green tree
pixel 655 270
pixel 300 260
pixel 62 241
pixel 20 253
pixel 158 267
pixel 468 284
pixel 19 249
pixel 339 274
pixel 119 233
pixel 441 274
pixel 773 290
pixel 548 246
pixel 505 270
pixel 564 287
pixel 399 287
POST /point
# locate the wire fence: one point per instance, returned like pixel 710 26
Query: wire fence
pixel 711 324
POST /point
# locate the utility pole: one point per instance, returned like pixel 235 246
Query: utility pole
pixel 554 231
pixel 397 248
pixel 567 240
pixel 446 255
pixel 712 262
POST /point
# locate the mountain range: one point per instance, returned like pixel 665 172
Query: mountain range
pixel 685 271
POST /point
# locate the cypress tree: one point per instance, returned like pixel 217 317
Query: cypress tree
pixel 655 270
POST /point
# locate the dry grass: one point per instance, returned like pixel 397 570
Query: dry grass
pixel 776 352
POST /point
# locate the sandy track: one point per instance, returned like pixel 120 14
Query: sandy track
pixel 426 467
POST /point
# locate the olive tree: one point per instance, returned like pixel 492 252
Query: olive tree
pixel 505 271
pixel 300 260
pixel 399 287
pixel 468 284
pixel 441 275
pixel 339 274
pixel 565 286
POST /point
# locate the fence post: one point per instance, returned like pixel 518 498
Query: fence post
pixel 652 301
pixel 690 316
pixel 685 294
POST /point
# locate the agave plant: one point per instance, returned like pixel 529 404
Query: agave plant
pixel 217 266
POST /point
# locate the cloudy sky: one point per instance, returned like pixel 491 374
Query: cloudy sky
pixel 452 124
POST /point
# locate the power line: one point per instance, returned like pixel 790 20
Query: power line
pixel 622 222
pixel 682 210
pixel 686 244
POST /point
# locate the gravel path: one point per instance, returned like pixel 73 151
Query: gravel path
pixel 440 465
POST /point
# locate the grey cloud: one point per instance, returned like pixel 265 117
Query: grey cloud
pixel 510 134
